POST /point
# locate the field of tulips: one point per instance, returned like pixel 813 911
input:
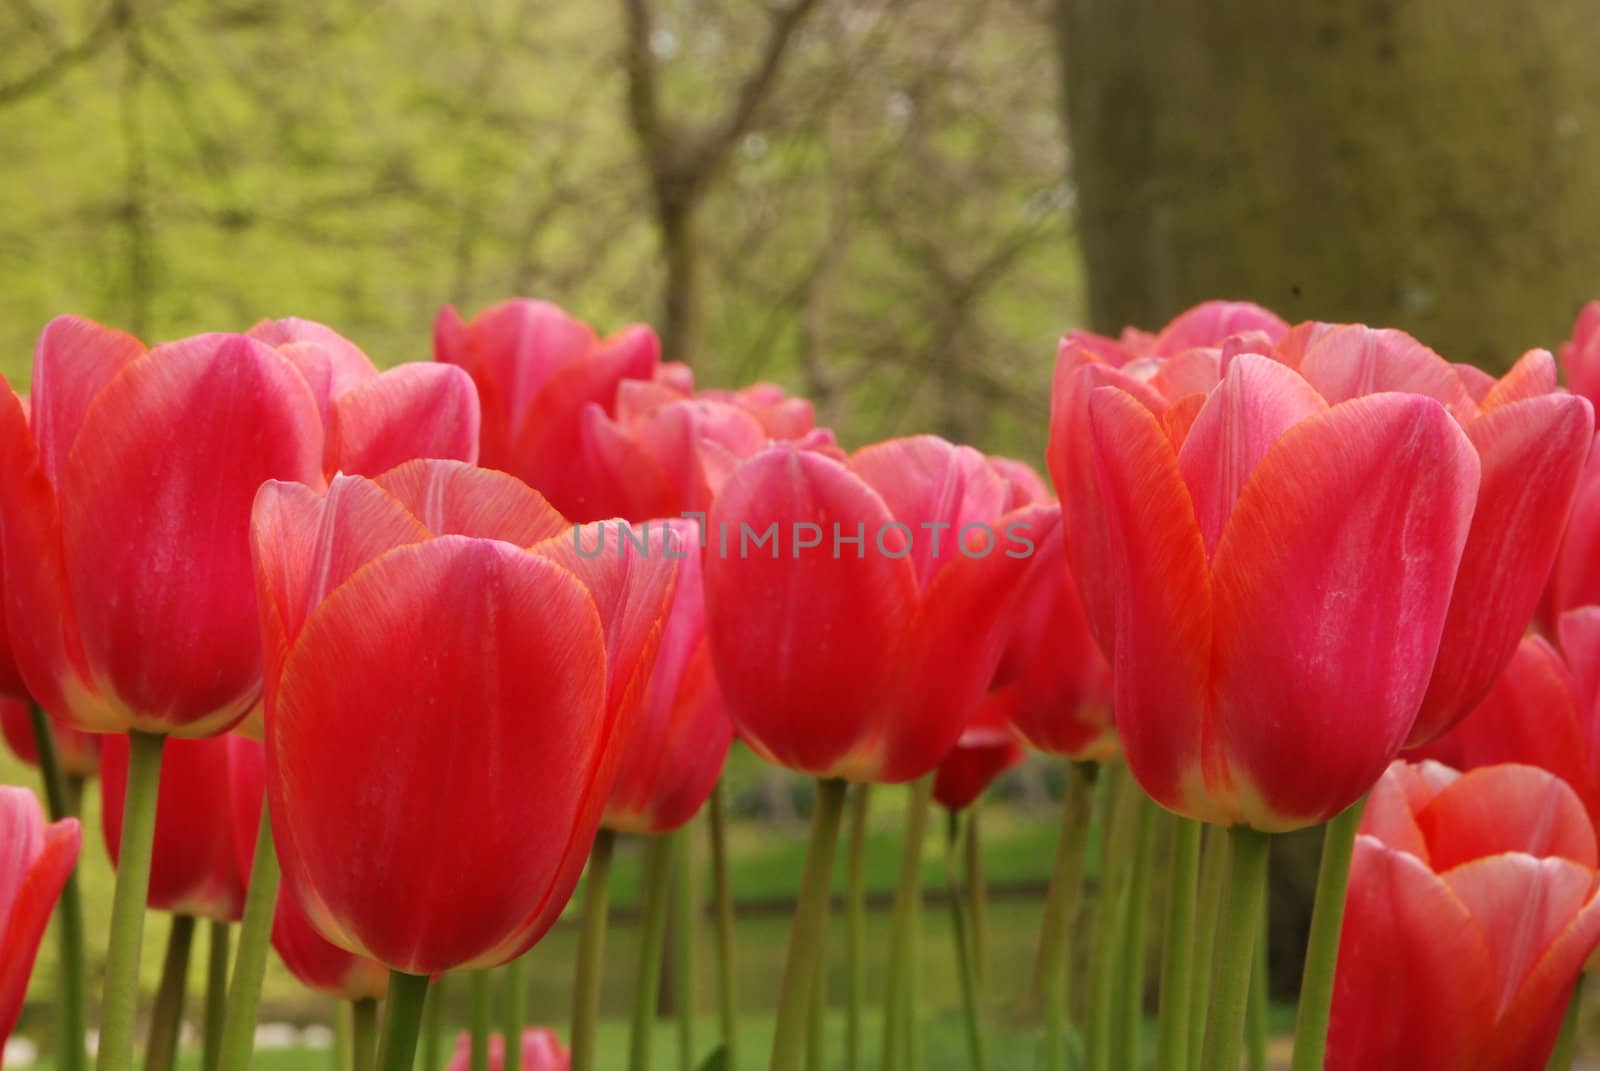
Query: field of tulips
pixel 382 674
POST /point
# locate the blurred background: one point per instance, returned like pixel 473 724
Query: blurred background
pixel 892 206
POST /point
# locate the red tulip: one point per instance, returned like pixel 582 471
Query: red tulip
pixel 124 508
pixel 674 754
pixel 1473 905
pixel 1204 326
pixel 1053 683
pixel 1575 577
pixel 459 840
pixel 537 370
pixel 1580 357
pixel 1542 711
pixel 666 454
pixel 541 1051
pixel 374 421
pixel 1531 440
pixel 849 644
pixel 77 753
pixel 316 963
pixel 1173 370
pixel 1280 571
pixel 194 865
pixel 35 861
pixel 986 750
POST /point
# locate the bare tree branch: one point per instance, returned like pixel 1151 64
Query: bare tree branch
pixel 64 60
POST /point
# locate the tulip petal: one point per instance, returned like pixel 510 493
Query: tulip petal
pixel 155 511
pixel 35 860
pixel 951 650
pixel 1580 358
pixel 1507 808
pixel 1579 633
pixel 194 867
pixel 1256 403
pixel 1413 986
pixel 1071 459
pixel 41 621
pixel 1522 905
pixel 1194 371
pixel 1212 321
pixel 454 498
pixel 414 410
pixel 1533 375
pixel 935 488
pixel 1526 1032
pixel 1164 615
pixel 632 588
pixel 74 360
pixel 1390 814
pixel 1532 715
pixel 1354 360
pixel 304 545
pixel 549 436
pixel 1532 454
pixel 496 709
pixel 1332 580
pixel 802 644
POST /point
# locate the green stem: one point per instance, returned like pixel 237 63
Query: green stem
pixel 433 1027
pixel 1135 926
pixel 1111 914
pixel 166 1015
pixel 966 959
pixel 1322 948
pixel 1213 884
pixel 250 963
pixel 898 1013
pixel 63 795
pixel 654 895
pixel 976 886
pixel 478 990
pixel 514 980
pixel 591 951
pixel 810 922
pixel 817 1014
pixel 683 932
pixel 216 996
pixel 343 1054
pixel 1238 927
pixel 856 925
pixel 402 1018
pixel 120 1003
pixel 727 1000
pixel 363 1033
pixel 1567 1040
pixel 1053 963
pixel 1255 1012
pixel 1177 956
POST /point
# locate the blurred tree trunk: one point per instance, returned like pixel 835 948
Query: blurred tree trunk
pixel 1418 163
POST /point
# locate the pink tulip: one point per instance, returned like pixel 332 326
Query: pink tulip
pixel 541 1051
pixel 848 644
pixel 674 755
pixel 1473 905
pixel 1543 711
pixel 1531 440
pixel 124 512
pixel 1052 682
pixel 1279 575
pixel 194 862
pixel 374 421
pixel 513 702
pixel 1580 357
pixel 537 370
pixel 35 861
